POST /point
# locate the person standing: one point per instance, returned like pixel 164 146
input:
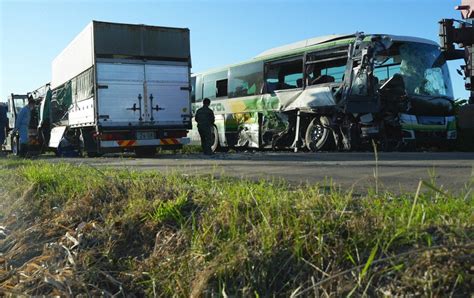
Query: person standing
pixel 3 123
pixel 205 120
pixel 22 124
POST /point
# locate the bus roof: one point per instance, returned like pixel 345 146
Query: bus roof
pixel 300 45
pixel 306 44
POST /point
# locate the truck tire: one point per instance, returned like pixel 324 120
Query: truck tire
pixel 15 146
pixel 145 151
pixel 92 154
pixel 87 145
pixel 318 136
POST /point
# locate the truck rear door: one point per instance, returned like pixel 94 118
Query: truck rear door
pixel 120 87
pixel 167 93
pixel 142 94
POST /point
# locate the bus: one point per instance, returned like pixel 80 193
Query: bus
pixel 338 92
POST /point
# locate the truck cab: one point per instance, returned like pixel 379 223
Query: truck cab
pixel 15 103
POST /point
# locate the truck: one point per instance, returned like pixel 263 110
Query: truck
pixel 463 37
pixel 15 103
pixel 457 42
pixel 114 88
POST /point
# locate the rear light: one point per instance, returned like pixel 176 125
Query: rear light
pixel 407 134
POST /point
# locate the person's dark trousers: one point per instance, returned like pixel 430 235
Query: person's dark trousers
pixel 23 150
pixel 2 134
pixel 206 139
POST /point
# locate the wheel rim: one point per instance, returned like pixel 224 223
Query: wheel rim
pixel 215 141
pixel 317 134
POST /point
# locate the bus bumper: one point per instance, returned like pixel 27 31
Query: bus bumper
pixel 428 129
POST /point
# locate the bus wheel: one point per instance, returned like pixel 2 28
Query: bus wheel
pixel 318 135
pixel 215 139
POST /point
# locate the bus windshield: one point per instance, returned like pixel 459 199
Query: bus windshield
pixel 422 67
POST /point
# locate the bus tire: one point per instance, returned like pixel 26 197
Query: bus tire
pixel 215 139
pixel 318 136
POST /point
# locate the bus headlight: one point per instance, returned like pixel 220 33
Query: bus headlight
pixel 452 135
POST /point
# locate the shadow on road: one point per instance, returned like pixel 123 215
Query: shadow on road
pixel 302 156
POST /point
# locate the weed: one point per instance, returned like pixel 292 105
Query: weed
pixel 81 230
pixel 169 210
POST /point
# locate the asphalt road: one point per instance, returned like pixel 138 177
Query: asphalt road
pixel 397 171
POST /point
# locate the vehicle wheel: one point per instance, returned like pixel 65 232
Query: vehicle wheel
pixel 215 139
pixel 223 149
pixel 87 145
pixel 93 154
pixel 15 146
pixel 318 135
pixel 145 151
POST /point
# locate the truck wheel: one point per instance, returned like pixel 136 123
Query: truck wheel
pixel 88 145
pixel 15 146
pixel 318 136
pixel 145 151
pixel 93 154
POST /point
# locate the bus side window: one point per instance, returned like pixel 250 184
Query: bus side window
pixel 197 88
pixel 326 72
pixel 282 75
pixel 214 84
pixel 326 66
pixel 221 87
pixel 193 89
pixel 246 79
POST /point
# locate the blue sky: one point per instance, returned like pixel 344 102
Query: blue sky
pixel 33 33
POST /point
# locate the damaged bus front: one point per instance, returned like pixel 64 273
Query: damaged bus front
pixel 407 84
pixel 333 92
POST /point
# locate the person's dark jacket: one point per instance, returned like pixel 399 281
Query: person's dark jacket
pixel 3 115
pixel 204 117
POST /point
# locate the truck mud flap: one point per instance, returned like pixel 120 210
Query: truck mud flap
pixel 57 134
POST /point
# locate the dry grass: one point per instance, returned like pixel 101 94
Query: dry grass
pixel 72 230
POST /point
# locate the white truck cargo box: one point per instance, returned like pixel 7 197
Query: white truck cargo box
pixel 74 59
pixel 125 76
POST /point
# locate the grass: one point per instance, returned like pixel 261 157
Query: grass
pixel 81 230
